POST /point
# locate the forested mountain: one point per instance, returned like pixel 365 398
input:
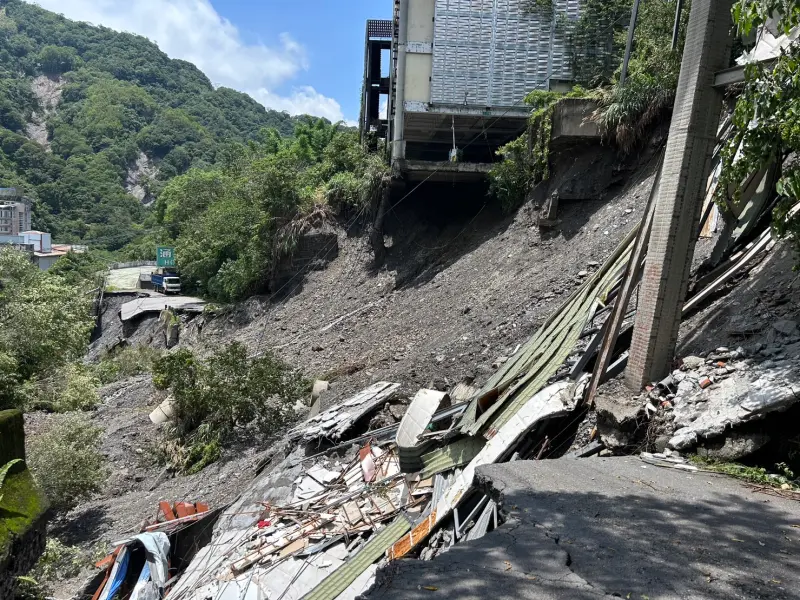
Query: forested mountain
pixel 105 103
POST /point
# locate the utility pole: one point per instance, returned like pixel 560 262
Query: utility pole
pixel 687 162
pixel 677 25
pixel 629 43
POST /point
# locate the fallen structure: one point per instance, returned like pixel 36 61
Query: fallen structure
pixel 135 308
pixel 144 565
pixel 339 503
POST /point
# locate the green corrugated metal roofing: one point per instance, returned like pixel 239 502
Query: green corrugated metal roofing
pixel 338 581
pixel 540 358
pixel 456 454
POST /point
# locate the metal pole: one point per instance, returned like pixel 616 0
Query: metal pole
pixel 676 27
pixel 631 29
pixel 398 145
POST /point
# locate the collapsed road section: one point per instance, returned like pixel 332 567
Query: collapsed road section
pixel 614 528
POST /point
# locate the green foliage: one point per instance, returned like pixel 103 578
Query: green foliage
pixel 124 363
pixel 595 40
pixel 66 461
pixel 545 7
pixel 55 60
pixel 510 179
pixel 121 97
pixel 44 323
pixel 78 268
pixel 626 113
pixel 782 478
pixel 216 396
pixel 72 387
pixel 4 469
pixel 232 225
pixel 79 390
pixel 749 14
pixel 766 119
pixel 59 562
pixel 526 160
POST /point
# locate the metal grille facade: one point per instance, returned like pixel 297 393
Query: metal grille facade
pixel 493 52
pixel 379 28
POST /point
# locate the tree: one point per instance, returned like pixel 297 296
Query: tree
pixel 120 96
pixel 44 323
pixel 56 60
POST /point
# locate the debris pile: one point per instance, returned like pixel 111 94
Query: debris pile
pixel 317 526
pixel 345 498
pixel 712 395
pixel 344 514
pixel 143 566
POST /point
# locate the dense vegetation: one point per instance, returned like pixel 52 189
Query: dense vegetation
pixel 121 97
pixel 232 224
pixel 45 323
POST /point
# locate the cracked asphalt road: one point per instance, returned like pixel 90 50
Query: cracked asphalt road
pixel 615 527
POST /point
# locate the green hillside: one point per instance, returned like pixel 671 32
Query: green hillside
pixel 120 96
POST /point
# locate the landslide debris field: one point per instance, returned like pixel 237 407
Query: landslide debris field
pixel 463 285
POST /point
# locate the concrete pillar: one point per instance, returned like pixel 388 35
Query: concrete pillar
pixel 398 141
pixel 686 168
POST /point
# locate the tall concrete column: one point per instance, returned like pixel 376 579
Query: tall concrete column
pixel 398 142
pixel 682 188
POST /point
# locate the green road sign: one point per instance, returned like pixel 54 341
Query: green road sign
pixel 165 256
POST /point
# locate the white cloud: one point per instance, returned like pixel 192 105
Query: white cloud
pixel 193 30
pixel 303 100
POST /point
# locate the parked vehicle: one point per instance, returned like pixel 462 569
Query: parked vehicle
pixel 166 283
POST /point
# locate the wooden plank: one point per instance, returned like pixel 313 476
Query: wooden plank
pixel 403 546
pixel 762 243
pixel 629 283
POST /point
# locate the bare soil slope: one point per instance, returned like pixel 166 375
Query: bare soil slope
pixel 462 286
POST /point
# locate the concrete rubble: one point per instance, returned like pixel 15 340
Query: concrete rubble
pixel 710 397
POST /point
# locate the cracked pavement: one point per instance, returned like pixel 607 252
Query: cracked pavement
pixel 615 527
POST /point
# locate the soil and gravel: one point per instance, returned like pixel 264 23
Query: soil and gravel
pixel 463 285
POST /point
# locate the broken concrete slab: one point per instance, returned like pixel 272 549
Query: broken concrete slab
pixel 734 446
pixel 739 399
pixel 614 527
pixel 336 421
pixel 140 306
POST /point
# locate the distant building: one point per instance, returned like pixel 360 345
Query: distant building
pixel 15 212
pixel 44 253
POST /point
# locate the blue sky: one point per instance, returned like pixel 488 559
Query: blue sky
pixel 302 56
